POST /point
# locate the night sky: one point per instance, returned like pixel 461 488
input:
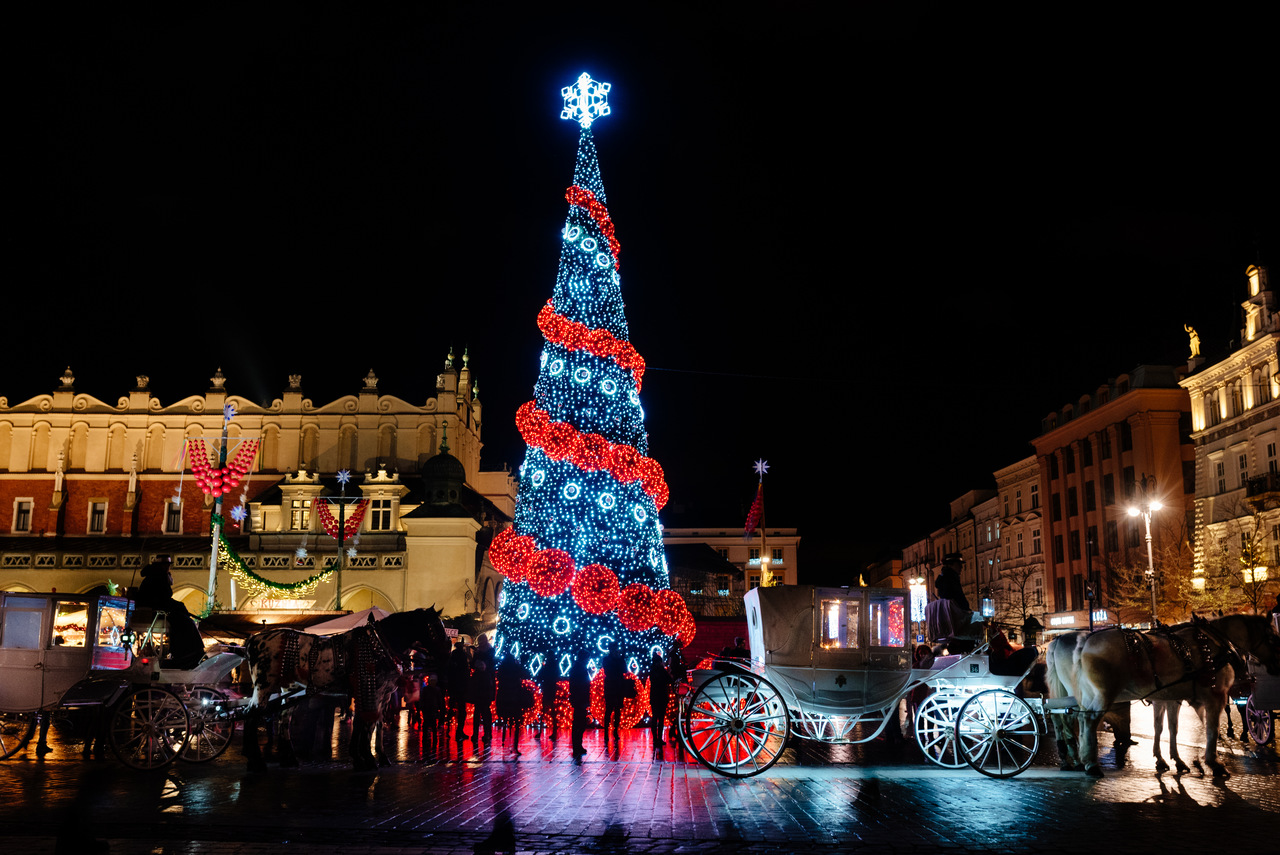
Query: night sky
pixel 873 248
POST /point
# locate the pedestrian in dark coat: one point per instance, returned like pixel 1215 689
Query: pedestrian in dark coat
pixel 615 687
pixel 580 700
pixel 514 698
pixel 659 697
pixel 459 675
pixel 480 692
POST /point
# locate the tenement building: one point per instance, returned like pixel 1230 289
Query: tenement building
pixel 91 492
pixel 1098 457
pixel 1235 412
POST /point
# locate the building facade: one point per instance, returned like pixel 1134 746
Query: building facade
pixel 1020 582
pixel 93 492
pixel 1235 413
pixel 1094 457
pixel 777 554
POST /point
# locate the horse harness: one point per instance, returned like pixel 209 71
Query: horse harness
pixel 1138 643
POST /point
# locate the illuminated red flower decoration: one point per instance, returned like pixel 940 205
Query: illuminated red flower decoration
pixel 549 571
pixel 626 463
pixel 687 630
pixel 531 422
pixel 635 607
pixel 596 588
pixel 670 610
pixel 561 441
pixel 509 553
pixel 597 453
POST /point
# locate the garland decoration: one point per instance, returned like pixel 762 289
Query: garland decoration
pixel 549 572
pixel 591 452
pixel 255 585
pixel 584 198
pixel 350 525
pixel 574 335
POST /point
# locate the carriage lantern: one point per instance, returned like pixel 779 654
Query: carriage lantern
pixel 988 603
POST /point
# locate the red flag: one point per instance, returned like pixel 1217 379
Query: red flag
pixel 754 515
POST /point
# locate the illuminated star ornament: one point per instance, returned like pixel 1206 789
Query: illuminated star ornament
pixel 237 513
pixel 585 101
pixel 344 476
pixel 762 467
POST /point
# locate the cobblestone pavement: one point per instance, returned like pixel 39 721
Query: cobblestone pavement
pixel 874 798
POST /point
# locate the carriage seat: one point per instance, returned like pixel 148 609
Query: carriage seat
pixel 973 668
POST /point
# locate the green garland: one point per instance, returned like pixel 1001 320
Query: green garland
pixel 255 585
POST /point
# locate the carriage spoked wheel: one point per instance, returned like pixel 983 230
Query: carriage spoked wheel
pixel 148 728
pixel 15 731
pixel 736 724
pixel 210 731
pixel 1260 722
pixel 936 728
pixel 997 733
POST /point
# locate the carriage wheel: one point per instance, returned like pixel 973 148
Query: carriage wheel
pixel 997 733
pixel 148 728
pixel 936 728
pixel 15 731
pixel 211 730
pixel 736 724
pixel 1260 722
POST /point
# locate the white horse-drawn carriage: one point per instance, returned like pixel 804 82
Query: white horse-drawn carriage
pixel 832 665
pixel 60 652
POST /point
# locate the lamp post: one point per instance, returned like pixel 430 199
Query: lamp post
pixel 1145 507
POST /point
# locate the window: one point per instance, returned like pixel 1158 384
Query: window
pixel 1019 544
pixel 380 515
pixel 1271 458
pixel 1243 462
pixel 1220 469
pixel 97 517
pixel 1104 440
pixel 1077 592
pixel 1057 549
pixel 1060 594
pixel 1086 453
pixel 777 555
pixel 1108 489
pixel 22 514
pixel 1018 501
pixel 172 517
pixel 1073 504
pixel 1069 457
pixel 1126 437
pixel 1074 546
pixel 1131 536
pixel 723 552
pixel 300 515
pixel 1056 516
pixel 887 621
pixel 1212 413
pixel 1053 466
pixel 1035 541
pixel 1113 537
pixel 1090 497
pixel 839 623
pixel 753 554
pixel 1035 496
pixel 1091 539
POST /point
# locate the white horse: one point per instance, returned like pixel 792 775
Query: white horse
pixel 1193 663
pixel 1061 659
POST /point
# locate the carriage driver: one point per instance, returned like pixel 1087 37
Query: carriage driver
pixel 950 620
pixel 186 645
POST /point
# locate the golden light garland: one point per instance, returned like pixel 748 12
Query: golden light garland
pixel 255 585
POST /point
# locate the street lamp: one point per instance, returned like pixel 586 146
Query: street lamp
pixel 1145 507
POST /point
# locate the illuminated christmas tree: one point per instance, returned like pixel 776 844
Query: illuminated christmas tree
pixel 584 562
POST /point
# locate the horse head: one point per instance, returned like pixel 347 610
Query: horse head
pixel 422 628
pixel 1254 636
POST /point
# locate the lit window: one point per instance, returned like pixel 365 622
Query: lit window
pixel 97 517
pixel 840 623
pixel 22 514
pixel 300 514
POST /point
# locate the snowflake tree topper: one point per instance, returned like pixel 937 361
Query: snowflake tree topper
pixel 585 101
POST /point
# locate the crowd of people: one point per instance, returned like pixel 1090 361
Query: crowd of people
pixel 475 689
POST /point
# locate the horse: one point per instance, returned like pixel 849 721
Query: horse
pixel 1194 662
pixel 363 663
pixel 1060 659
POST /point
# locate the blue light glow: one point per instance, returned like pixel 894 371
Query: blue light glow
pixel 561 626
pixel 585 101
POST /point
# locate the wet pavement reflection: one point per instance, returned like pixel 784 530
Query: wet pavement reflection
pixel 445 796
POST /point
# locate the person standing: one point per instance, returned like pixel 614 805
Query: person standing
pixel 459 675
pixel 615 687
pixel 659 697
pixel 548 684
pixel 480 694
pixel 580 701
pixel 514 698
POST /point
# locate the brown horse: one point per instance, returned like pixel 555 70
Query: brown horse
pixel 363 663
pixel 1194 663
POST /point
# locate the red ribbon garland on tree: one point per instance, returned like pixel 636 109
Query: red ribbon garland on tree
pixel 584 198
pixel 591 452
pixel 558 329
pixel 350 525
pixel 595 587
